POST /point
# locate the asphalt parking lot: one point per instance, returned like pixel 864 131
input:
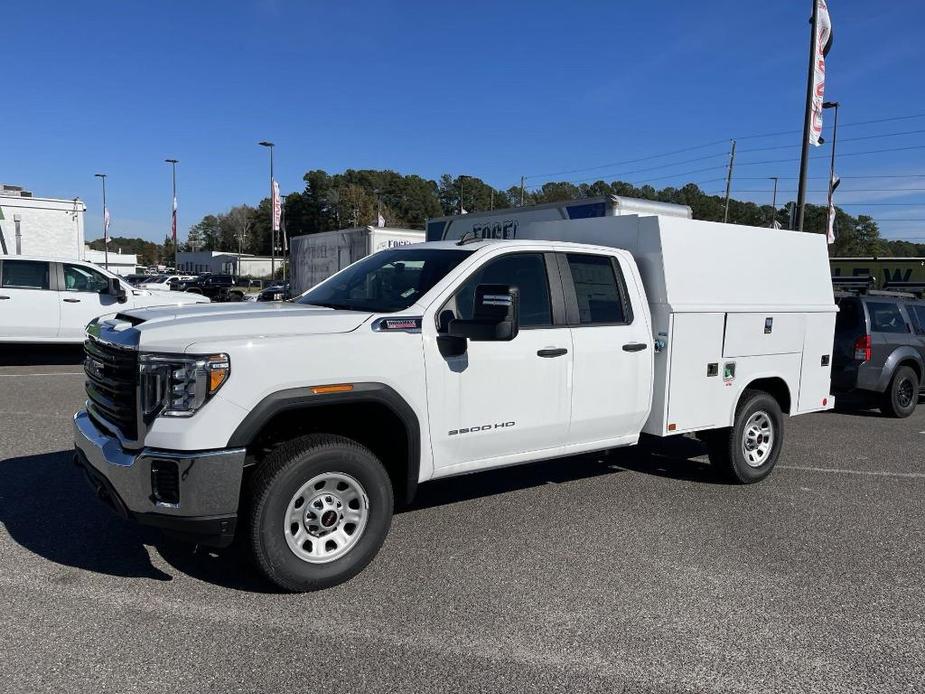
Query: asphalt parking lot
pixel 633 571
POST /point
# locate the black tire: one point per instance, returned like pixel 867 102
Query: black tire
pixel 235 296
pixel 901 397
pixel 276 482
pixel 728 448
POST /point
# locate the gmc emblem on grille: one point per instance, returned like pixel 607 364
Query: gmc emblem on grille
pixel 95 368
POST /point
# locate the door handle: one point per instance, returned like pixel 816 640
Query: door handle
pixel 3 297
pixel 553 352
pixel 72 301
pixel 634 346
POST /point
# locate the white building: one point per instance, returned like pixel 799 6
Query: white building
pixel 225 263
pixel 120 263
pixel 40 226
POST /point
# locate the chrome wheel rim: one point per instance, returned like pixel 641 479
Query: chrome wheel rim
pixel 758 439
pixel 326 518
pixel 904 393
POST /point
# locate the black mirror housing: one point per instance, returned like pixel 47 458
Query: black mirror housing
pixel 115 289
pixel 495 318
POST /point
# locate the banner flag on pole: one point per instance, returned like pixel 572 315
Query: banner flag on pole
pixel 822 42
pixel 106 219
pixel 381 221
pixel 173 220
pixel 277 207
pixel 830 222
pixel 282 228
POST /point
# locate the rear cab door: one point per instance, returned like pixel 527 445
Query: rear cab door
pixel 612 344
pixel 28 301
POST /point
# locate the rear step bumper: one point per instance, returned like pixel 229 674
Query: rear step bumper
pixel 191 494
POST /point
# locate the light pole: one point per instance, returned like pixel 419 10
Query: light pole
pixel 774 203
pixel 830 214
pixel 102 178
pixel 173 217
pixel 270 145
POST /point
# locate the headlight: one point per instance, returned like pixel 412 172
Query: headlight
pixel 177 385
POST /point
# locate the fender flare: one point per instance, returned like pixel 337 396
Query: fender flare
pixel 369 392
pixel 897 356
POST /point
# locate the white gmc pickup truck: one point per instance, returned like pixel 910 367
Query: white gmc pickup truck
pixel 298 425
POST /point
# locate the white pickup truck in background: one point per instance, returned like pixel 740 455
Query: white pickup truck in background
pixel 51 300
pixel 299 424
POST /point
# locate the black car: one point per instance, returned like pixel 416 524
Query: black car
pixel 275 292
pixel 216 287
pixel 880 349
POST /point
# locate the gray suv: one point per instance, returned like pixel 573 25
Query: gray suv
pixel 880 349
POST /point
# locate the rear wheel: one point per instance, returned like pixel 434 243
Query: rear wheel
pixel 901 397
pixel 747 452
pixel 321 506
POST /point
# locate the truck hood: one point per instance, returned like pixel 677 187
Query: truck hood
pixel 169 327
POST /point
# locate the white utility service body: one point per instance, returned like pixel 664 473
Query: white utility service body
pixel 442 358
pixel 747 299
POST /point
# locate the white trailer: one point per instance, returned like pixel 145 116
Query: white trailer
pixel 315 257
pixel 731 306
pixel 512 223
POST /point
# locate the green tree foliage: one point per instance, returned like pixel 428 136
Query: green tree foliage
pixel 356 196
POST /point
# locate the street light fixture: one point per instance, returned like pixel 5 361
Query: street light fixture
pixel 270 146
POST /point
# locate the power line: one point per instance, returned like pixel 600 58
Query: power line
pixel 847 154
pixel 630 161
pixel 826 178
pixel 844 125
pixel 849 139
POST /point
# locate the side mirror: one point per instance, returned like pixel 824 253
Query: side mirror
pixel 115 289
pixel 495 317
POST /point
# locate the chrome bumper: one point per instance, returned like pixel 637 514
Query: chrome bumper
pixel 209 481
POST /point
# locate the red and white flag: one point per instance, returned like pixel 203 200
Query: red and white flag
pixel 277 206
pixel 822 42
pixel 173 220
pixel 105 225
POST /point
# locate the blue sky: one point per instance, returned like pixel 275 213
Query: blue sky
pixel 496 90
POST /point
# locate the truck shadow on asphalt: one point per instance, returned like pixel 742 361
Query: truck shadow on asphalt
pixel 41 355
pixel 48 508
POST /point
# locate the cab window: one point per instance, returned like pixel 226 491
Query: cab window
pixel 78 278
pixel 597 290
pixel 23 274
pixel 526 271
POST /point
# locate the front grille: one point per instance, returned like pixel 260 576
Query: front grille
pixel 165 481
pixel 112 380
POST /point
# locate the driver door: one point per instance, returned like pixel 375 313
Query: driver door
pixel 83 297
pixel 500 401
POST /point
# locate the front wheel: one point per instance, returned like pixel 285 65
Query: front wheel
pixel 321 506
pixel 747 452
pixel 901 397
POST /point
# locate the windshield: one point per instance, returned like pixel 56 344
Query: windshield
pixel 386 281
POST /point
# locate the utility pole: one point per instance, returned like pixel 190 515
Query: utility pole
pixel 732 159
pixel 492 204
pixel 461 192
pixel 774 203
pixel 102 178
pixel 807 121
pixel 173 219
pixel 270 145
pixel 521 191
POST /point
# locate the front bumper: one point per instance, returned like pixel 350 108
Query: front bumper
pixel 200 501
